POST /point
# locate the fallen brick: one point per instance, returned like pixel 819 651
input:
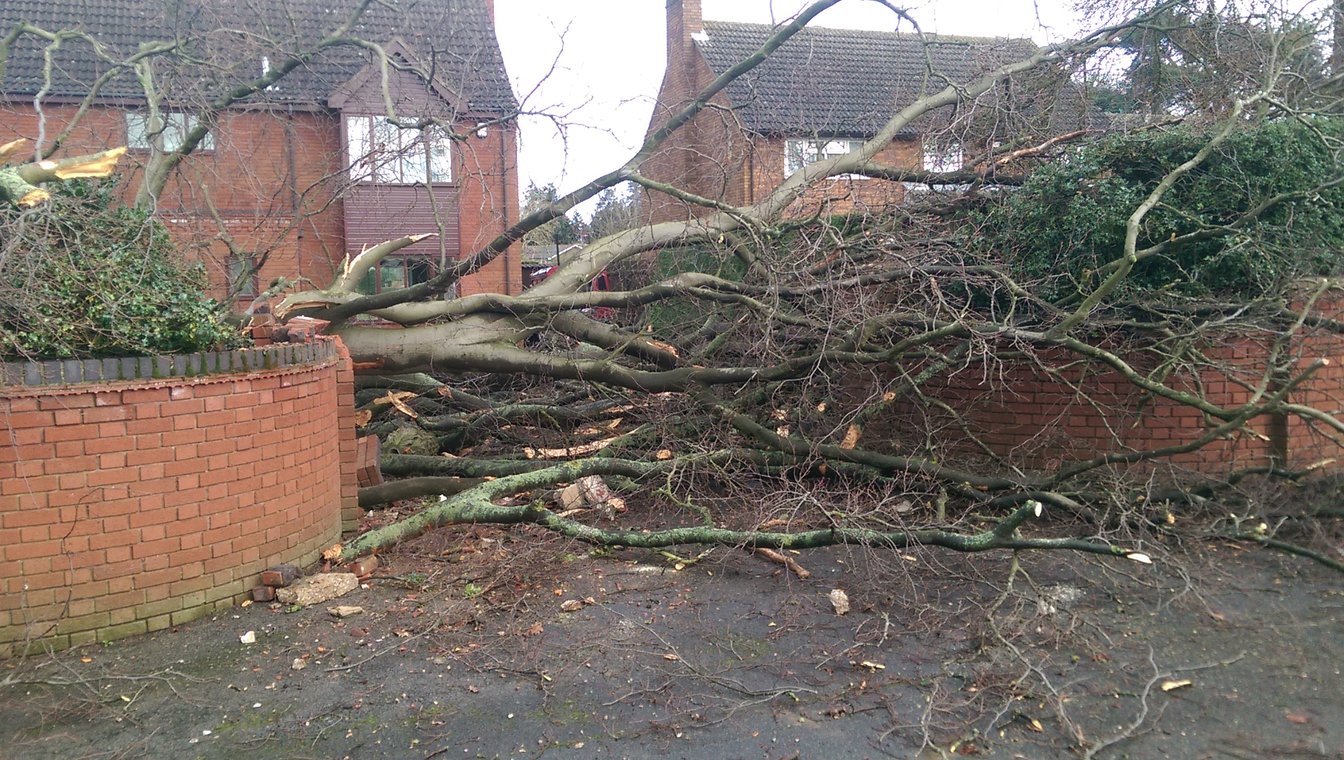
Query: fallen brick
pixel 368 450
pixel 263 594
pixel 364 566
pixel 279 576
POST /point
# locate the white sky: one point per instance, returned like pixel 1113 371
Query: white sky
pixel 596 65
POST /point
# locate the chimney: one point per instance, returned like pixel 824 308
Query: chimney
pixel 683 20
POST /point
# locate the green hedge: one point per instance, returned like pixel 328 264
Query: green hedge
pixel 1069 218
pixel 85 277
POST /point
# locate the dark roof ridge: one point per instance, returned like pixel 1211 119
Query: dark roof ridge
pixel 886 35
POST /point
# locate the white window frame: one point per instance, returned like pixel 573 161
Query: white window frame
pixel 943 157
pixel 168 137
pixel 939 158
pixel 381 152
pixel 800 152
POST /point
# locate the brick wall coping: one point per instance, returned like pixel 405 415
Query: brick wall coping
pixel 64 372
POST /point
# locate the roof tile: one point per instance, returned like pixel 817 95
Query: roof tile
pixel 844 82
pixel 455 38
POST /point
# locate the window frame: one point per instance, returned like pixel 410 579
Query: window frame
pixel 175 123
pixel 942 158
pixel 419 157
pixel 802 152
pixel 233 269
pixel 374 280
pixel 939 158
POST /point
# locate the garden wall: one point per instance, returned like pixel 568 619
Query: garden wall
pixel 136 494
pixel 1078 409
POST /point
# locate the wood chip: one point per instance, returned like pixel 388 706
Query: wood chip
pixel 572 451
pixel 397 400
pixel 658 344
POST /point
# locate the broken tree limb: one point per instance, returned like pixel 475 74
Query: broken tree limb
pixel 409 465
pixel 11 147
pixel 368 259
pixel 20 184
pixel 476 505
pixel 413 488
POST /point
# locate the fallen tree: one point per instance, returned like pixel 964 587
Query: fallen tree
pixel 824 371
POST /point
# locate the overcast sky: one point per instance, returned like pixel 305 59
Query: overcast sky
pixel 595 65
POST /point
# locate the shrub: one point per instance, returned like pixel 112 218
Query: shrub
pixel 84 277
pixel 1069 218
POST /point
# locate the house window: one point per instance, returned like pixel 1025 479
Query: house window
pixel 942 157
pixel 382 152
pixel 939 158
pixel 266 69
pixel 167 135
pixel 800 153
pixel 396 272
pixel 242 276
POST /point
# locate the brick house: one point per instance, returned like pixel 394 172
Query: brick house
pixel 293 179
pixel 821 94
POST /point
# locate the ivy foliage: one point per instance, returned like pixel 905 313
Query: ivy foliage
pixel 1068 221
pixel 86 277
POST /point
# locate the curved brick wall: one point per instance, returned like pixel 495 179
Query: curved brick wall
pixel 128 506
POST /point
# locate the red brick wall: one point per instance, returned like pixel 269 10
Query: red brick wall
pixel 708 157
pixel 347 425
pixel 132 506
pixel 1310 442
pixel 1081 410
pixel 489 184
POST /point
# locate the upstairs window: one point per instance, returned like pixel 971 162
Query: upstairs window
pixel 242 271
pixel 942 157
pixel 800 153
pixel 382 152
pixel 167 135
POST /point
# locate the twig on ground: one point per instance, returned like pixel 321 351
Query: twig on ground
pixel 403 642
pixel 1289 548
pixel 1131 730
pixel 784 560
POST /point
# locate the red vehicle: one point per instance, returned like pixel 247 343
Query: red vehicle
pixel 602 283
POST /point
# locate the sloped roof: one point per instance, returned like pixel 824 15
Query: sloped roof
pixel 843 82
pixel 545 255
pixel 453 39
